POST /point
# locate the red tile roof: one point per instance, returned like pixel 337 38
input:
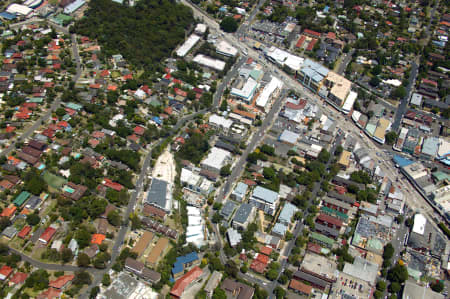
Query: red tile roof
pixel 300 41
pixel 98 239
pixel 50 293
pixel 331 35
pixel 112 185
pixel 311 32
pixel 98 134
pixel 311 44
pixel 24 232
pixel 262 258
pixel 185 280
pixel 138 130
pixel 300 286
pixel 4 184
pixel 258 267
pixel 10 129
pixel 8 211
pixel 61 281
pixel 5 271
pixel 329 219
pixel 47 234
pixel 265 250
pixel 18 278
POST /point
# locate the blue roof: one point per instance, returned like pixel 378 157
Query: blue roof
pixel 402 162
pixel 178 266
pixel 157 120
pixel 7 15
pixel 326 9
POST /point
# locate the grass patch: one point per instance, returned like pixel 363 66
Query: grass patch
pixel 53 180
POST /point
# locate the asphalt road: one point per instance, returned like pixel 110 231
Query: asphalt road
pixel 344 63
pixel 239 166
pixel 223 84
pixel 401 109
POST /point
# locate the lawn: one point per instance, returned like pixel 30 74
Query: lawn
pixel 54 181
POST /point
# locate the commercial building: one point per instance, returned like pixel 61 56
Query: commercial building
pixel 362 269
pixel 140 270
pixel 185 281
pixel 244 216
pixel 380 132
pixel 344 159
pixel 74 6
pixel 209 62
pixel 425 238
pixel 269 91
pixel 184 262
pixel 247 91
pixel 264 199
pixel 312 74
pixel 226 49
pixel 19 9
pixel 349 102
pixel 411 290
pixel 216 159
pixel 158 196
pixel 284 58
pixel 187 45
pixel 220 122
pixel 354 288
pixel 430 147
pixel 289 137
pixel 339 89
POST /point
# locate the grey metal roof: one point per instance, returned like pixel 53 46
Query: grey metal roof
pixel 242 213
pixel 267 195
pixel 157 193
pixel 241 189
pixel 287 212
pixel 228 209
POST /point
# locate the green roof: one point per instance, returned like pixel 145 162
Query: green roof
pixel 74 106
pixel 440 176
pixel 35 100
pixel 321 238
pixel 332 212
pixel 63 17
pixel 256 74
pixel 21 198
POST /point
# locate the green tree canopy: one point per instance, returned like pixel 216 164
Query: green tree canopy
pixel 229 24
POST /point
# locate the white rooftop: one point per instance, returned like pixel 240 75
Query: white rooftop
pixel 220 121
pixel 264 97
pixel 247 90
pixel 226 49
pixel 187 45
pixel 419 224
pixel 212 63
pixel 217 158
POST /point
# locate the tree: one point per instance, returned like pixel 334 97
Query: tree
pixel 83 237
pixel 395 287
pixel 83 260
pixel 81 278
pixel 391 137
pixel 398 274
pixel 38 280
pixel 219 294
pixel 229 24
pixel 114 218
pixel 66 255
pixel 437 286
pixel 225 170
pixel 361 177
pixel 388 251
pixel 399 92
pixel 94 292
pixel 374 81
pixel 381 285
pixel 106 280
pixel 279 292
pixel 33 219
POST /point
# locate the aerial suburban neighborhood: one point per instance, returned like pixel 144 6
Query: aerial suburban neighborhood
pixel 224 149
